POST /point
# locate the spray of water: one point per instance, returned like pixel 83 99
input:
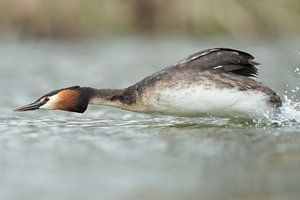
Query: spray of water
pixel 290 111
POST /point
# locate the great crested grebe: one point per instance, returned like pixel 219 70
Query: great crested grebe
pixel 216 81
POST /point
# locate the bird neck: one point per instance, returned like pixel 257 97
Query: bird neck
pixel 112 97
pixel 109 97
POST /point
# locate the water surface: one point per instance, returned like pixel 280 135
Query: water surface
pixel 107 153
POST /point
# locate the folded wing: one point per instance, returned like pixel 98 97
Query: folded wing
pixel 221 60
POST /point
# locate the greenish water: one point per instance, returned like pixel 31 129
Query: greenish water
pixel 113 154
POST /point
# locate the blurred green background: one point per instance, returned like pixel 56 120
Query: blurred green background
pixel 93 18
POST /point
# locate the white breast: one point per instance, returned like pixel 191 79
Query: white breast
pixel 197 101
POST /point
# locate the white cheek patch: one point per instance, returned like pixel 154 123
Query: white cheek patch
pixel 50 105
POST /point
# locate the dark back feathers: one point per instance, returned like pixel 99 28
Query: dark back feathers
pixel 221 60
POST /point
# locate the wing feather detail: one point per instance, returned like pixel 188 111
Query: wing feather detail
pixel 221 60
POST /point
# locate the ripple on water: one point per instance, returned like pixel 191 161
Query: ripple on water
pixel 289 116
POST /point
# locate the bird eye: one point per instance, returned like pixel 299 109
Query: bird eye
pixel 46 99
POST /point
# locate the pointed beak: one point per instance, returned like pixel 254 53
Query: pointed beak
pixel 33 106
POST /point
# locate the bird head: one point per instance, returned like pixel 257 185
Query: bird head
pixel 73 99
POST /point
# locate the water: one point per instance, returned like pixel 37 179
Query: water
pixel 107 153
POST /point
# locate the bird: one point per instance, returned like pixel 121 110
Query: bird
pixel 215 82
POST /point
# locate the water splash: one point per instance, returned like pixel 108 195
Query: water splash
pixel 290 113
